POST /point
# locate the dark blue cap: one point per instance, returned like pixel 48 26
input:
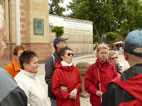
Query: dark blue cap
pixel 58 39
pixel 133 43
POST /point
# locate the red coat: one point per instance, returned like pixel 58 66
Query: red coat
pixel 69 77
pixel 133 87
pixel 107 73
pixel 125 90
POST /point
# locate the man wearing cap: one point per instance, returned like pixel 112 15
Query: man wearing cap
pixel 49 66
pixel 126 90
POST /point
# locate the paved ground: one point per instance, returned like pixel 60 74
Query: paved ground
pixel 87 58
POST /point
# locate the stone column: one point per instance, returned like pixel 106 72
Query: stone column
pixel 7 20
pixel 82 67
pixel 12 24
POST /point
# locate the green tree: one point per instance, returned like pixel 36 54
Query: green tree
pixel 119 16
pixel 55 8
pixel 98 11
pixel 128 15
pixel 111 36
pixel 58 30
pixel 133 17
pixel 95 39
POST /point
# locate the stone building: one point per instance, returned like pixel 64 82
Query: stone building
pixel 35 33
pixel 34 27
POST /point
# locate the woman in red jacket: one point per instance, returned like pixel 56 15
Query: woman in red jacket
pixel 99 75
pixel 66 80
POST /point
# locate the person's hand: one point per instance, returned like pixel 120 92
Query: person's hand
pixel 64 88
pixel 99 93
pixel 73 94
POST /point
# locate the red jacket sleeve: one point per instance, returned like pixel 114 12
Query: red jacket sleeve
pixel 56 87
pixel 89 87
pixel 78 86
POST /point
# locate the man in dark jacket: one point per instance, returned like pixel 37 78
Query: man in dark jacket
pixel 50 66
pixel 126 90
pixel 10 93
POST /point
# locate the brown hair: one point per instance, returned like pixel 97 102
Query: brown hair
pixel 26 57
pixel 18 48
pixel 63 51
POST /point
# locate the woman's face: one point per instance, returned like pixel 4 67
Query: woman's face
pixel 114 59
pixel 32 66
pixel 102 55
pixel 68 56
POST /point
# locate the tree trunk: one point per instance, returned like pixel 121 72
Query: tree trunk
pixel 97 32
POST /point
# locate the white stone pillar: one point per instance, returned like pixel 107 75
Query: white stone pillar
pixel 18 36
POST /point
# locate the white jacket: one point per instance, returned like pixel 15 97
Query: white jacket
pixel 31 85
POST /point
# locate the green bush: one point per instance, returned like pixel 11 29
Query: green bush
pixel 58 30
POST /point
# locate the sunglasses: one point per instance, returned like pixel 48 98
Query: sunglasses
pixel 70 54
pixel 114 58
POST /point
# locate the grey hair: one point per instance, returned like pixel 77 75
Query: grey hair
pixel 111 52
pixel 1 17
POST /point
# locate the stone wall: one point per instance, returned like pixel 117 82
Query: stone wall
pixel 79 32
pixel 43 50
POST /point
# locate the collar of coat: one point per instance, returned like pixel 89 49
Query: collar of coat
pixel 64 68
pixel 102 67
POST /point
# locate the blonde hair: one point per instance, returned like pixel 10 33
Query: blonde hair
pixel 1 17
pixel 101 46
pixel 110 53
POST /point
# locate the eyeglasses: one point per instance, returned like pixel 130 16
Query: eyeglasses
pixel 114 58
pixel 70 54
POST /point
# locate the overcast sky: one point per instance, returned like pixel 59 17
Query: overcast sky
pixel 66 2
